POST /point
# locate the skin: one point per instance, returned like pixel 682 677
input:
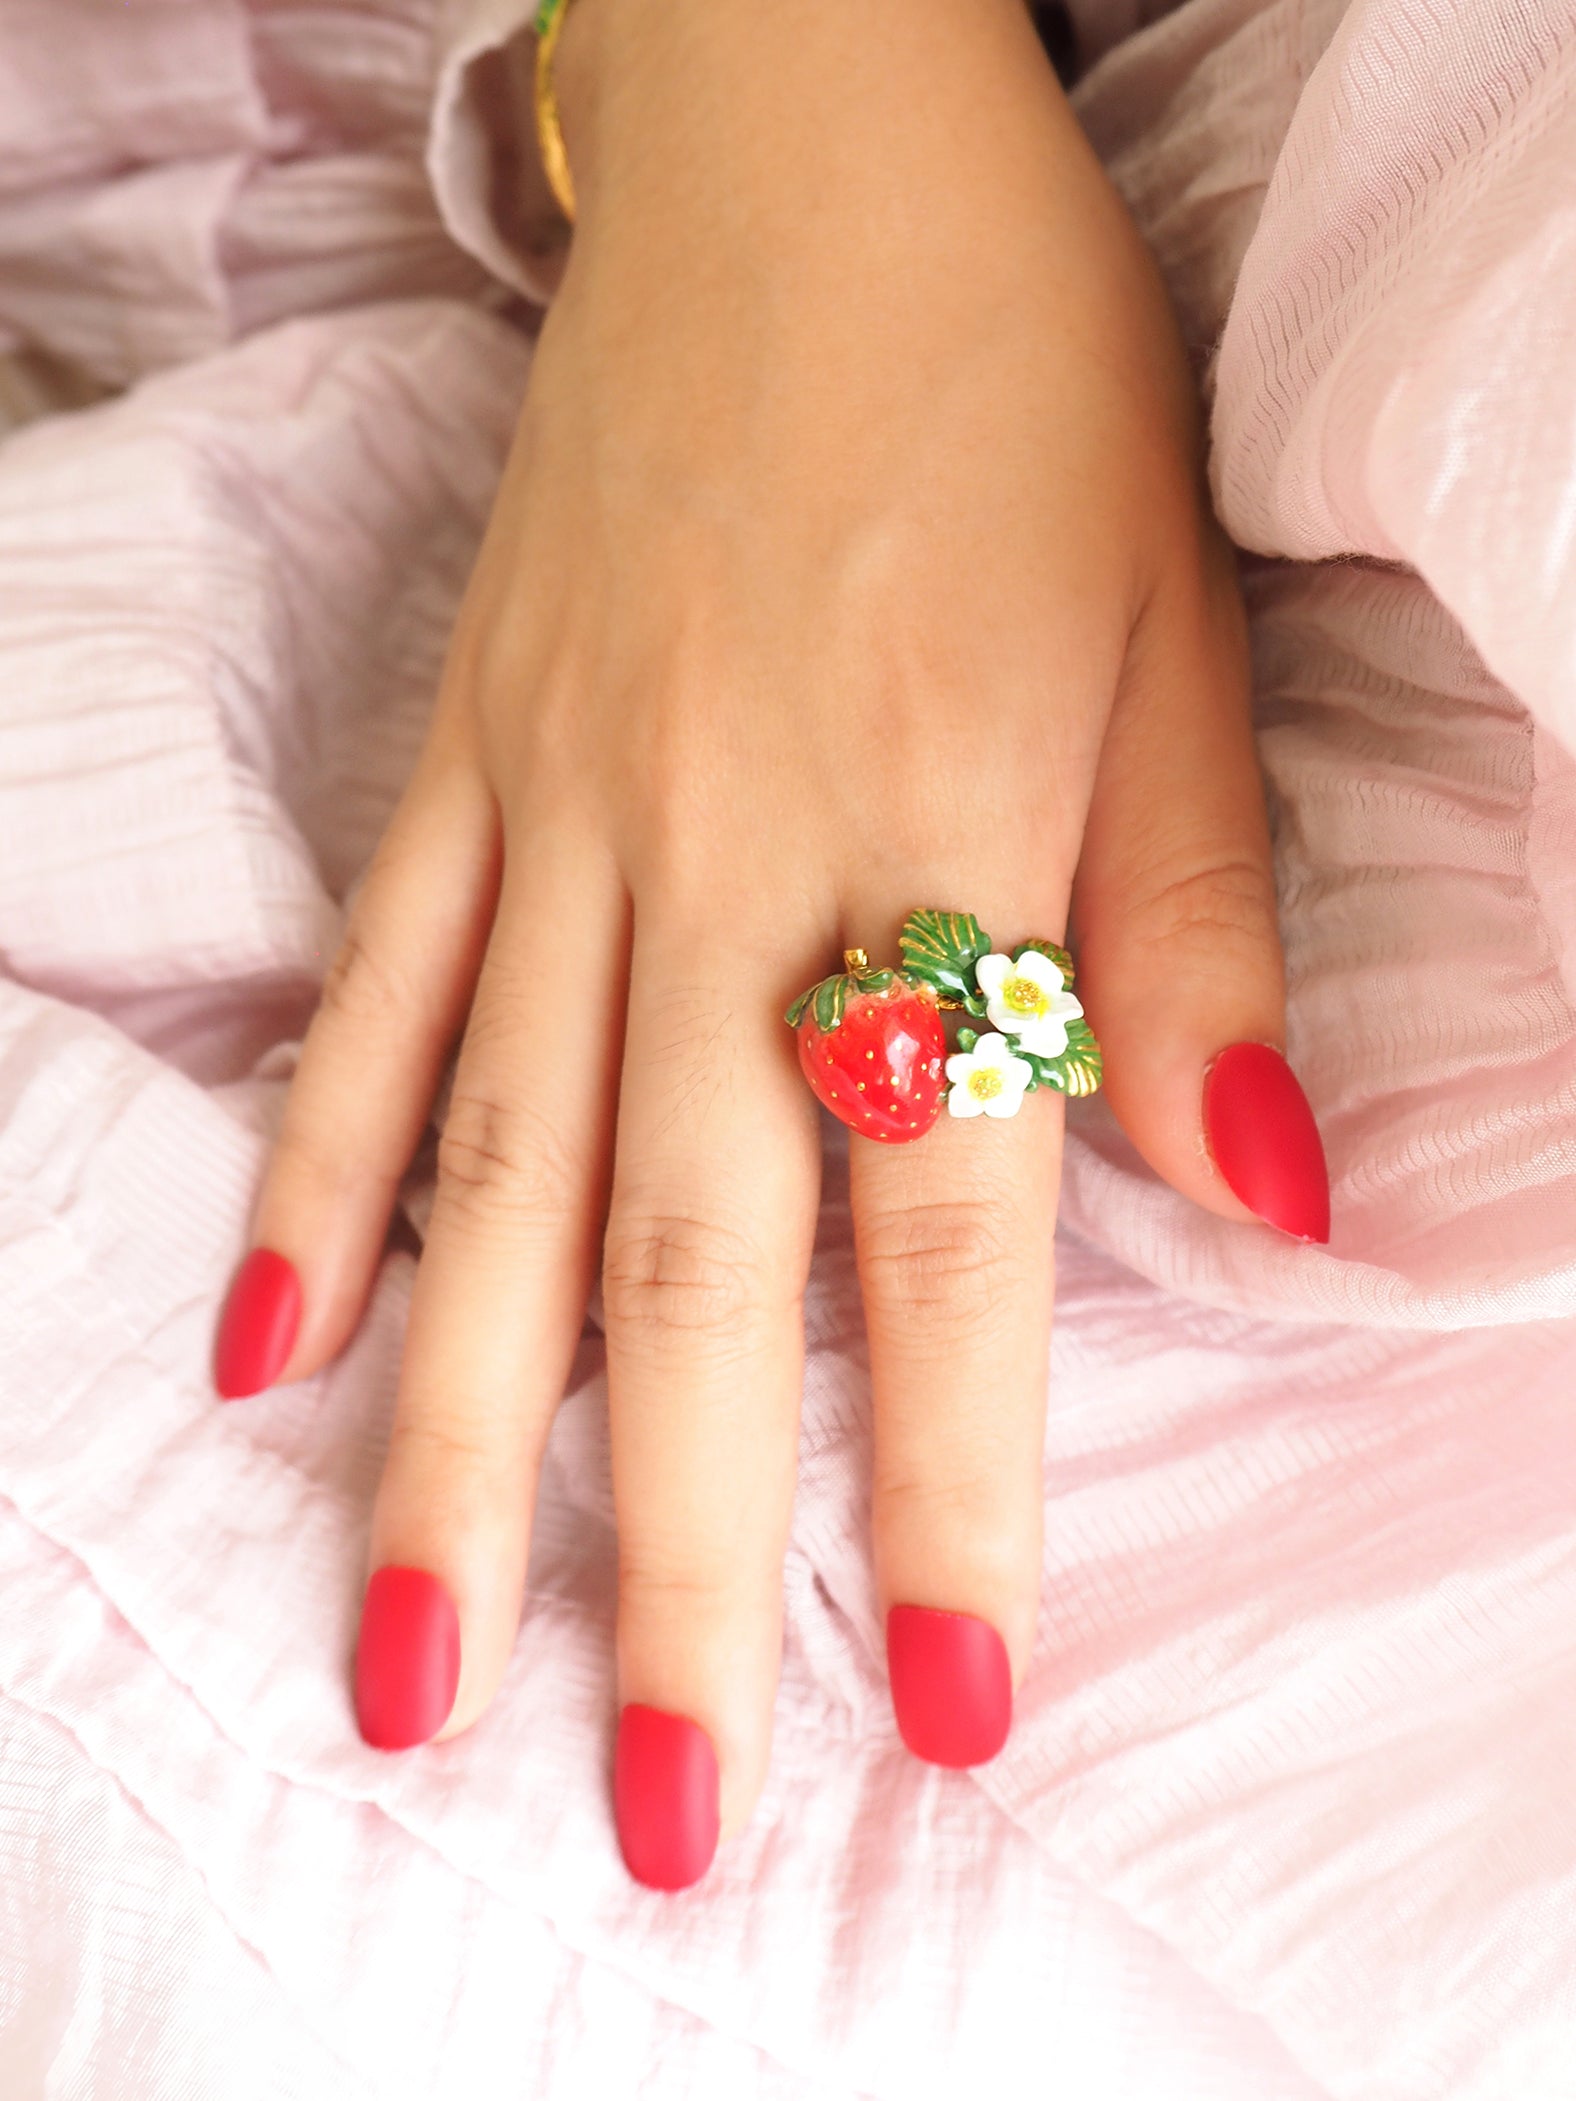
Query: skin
pixel 852 554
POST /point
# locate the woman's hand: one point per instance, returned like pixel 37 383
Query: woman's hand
pixel 851 556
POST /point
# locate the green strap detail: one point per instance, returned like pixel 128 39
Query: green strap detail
pixel 542 21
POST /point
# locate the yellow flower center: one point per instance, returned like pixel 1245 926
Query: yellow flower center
pixel 1024 996
pixel 985 1082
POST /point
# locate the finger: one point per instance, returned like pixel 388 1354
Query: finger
pixel 955 1242
pixel 500 1295
pixel 392 1004
pixel 1180 967
pixel 708 1245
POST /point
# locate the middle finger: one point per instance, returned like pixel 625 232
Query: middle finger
pixel 712 1216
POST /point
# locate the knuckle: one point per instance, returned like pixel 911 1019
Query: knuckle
pixel 504 1163
pixel 363 989
pixel 460 1469
pixel 447 1446
pixel 679 1276
pixel 668 1586
pixel 308 1161
pixel 978 1499
pixel 671 1583
pixel 499 1021
pixel 322 1154
pixel 954 1262
pixel 1218 903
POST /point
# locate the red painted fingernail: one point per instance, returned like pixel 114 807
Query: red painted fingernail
pixel 258 1327
pixel 951 1684
pixel 1265 1141
pixel 664 1797
pixel 407 1660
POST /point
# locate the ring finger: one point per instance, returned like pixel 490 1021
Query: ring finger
pixel 955 1243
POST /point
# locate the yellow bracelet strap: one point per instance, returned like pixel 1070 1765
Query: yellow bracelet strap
pixel 549 20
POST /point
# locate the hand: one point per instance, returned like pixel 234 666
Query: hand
pixel 851 556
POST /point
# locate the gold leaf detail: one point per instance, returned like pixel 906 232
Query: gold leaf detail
pixel 1081 1064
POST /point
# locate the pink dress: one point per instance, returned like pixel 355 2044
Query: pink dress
pixel 1287 1811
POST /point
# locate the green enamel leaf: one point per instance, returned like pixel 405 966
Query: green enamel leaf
pixel 967 1038
pixel 1042 1071
pixel 942 948
pixel 831 996
pixel 1076 1072
pixel 1058 956
pixel 1081 1062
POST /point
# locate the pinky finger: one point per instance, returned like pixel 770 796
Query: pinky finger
pixel 1182 971
pixel 392 1006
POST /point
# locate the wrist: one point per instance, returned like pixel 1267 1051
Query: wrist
pixel 577 64
pixel 734 93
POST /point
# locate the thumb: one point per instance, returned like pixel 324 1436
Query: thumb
pixel 1180 964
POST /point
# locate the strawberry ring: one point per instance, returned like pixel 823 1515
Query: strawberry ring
pixel 872 1045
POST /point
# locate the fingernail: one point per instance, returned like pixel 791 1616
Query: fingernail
pixel 407 1660
pixel 664 1797
pixel 951 1684
pixel 1265 1141
pixel 258 1328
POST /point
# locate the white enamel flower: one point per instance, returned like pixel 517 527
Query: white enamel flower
pixel 987 1080
pixel 1028 999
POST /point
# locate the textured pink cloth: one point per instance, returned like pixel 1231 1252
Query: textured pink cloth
pixel 1287 1809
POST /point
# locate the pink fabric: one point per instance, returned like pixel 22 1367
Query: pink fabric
pixel 177 172
pixel 1286 1811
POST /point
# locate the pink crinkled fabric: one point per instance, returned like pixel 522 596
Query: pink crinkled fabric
pixel 1361 212
pixel 176 173
pixel 1286 1810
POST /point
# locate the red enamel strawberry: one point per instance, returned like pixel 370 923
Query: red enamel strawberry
pixel 872 1047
